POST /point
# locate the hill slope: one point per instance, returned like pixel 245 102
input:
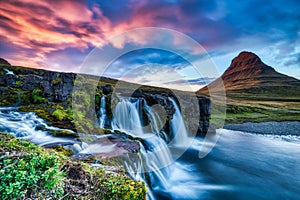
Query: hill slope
pixel 248 77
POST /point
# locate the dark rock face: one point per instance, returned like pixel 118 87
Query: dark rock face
pixel 31 82
pixel 157 97
pixel 205 111
pixel 8 80
pixel 4 62
pixel 107 89
pixel 55 86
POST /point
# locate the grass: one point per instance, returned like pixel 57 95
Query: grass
pixel 32 172
pixel 248 110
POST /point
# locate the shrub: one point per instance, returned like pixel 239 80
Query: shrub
pixel 19 83
pixel 36 96
pixel 27 170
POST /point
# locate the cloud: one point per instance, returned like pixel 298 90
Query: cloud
pixel 40 28
pixel 40 31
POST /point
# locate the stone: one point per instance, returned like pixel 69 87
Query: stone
pixel 107 89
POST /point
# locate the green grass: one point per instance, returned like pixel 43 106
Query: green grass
pixel 29 171
pixel 261 112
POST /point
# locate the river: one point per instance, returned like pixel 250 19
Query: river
pixel 242 165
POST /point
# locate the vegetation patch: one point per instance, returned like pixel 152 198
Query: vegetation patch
pixel 60 114
pixel 29 171
pixel 56 81
pixel 32 172
pixel 36 96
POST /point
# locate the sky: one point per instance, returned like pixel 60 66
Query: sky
pixel 60 35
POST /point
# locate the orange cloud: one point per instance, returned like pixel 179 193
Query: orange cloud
pixel 44 27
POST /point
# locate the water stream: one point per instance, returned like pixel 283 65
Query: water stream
pixel 240 166
pixel 28 126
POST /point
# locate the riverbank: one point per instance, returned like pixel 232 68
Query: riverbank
pixel 272 127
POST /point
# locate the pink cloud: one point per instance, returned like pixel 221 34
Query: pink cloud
pixel 44 27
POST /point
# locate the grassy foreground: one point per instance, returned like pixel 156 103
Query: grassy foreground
pixel 28 171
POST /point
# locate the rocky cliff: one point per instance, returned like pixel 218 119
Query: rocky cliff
pixel 49 94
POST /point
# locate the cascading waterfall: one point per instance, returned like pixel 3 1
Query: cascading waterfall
pixel 178 128
pixel 127 116
pixel 154 157
pixel 155 121
pixel 103 116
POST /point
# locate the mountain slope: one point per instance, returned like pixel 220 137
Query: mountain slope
pixel 248 77
pixel 4 62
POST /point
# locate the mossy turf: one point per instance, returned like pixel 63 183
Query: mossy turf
pixel 261 111
pixel 32 172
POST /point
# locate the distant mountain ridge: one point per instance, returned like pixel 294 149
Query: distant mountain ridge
pixel 248 76
pixel 4 62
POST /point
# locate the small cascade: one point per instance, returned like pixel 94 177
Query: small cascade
pixel 103 116
pixel 156 123
pixel 178 128
pixel 127 118
pixel 8 71
pixel 151 165
pixel 29 126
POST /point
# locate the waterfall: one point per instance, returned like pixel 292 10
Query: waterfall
pixel 152 164
pixel 103 117
pixel 178 127
pixel 127 118
pixel 156 123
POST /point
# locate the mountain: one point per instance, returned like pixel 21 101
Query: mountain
pixel 4 62
pixel 248 77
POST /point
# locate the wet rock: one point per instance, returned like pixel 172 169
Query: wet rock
pixel 205 111
pixel 8 80
pixel 31 82
pixel 107 89
pixel 111 146
pixel 157 96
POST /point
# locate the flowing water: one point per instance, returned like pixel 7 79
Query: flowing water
pixel 127 116
pixel 178 127
pixel 103 116
pixel 27 125
pixel 240 166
